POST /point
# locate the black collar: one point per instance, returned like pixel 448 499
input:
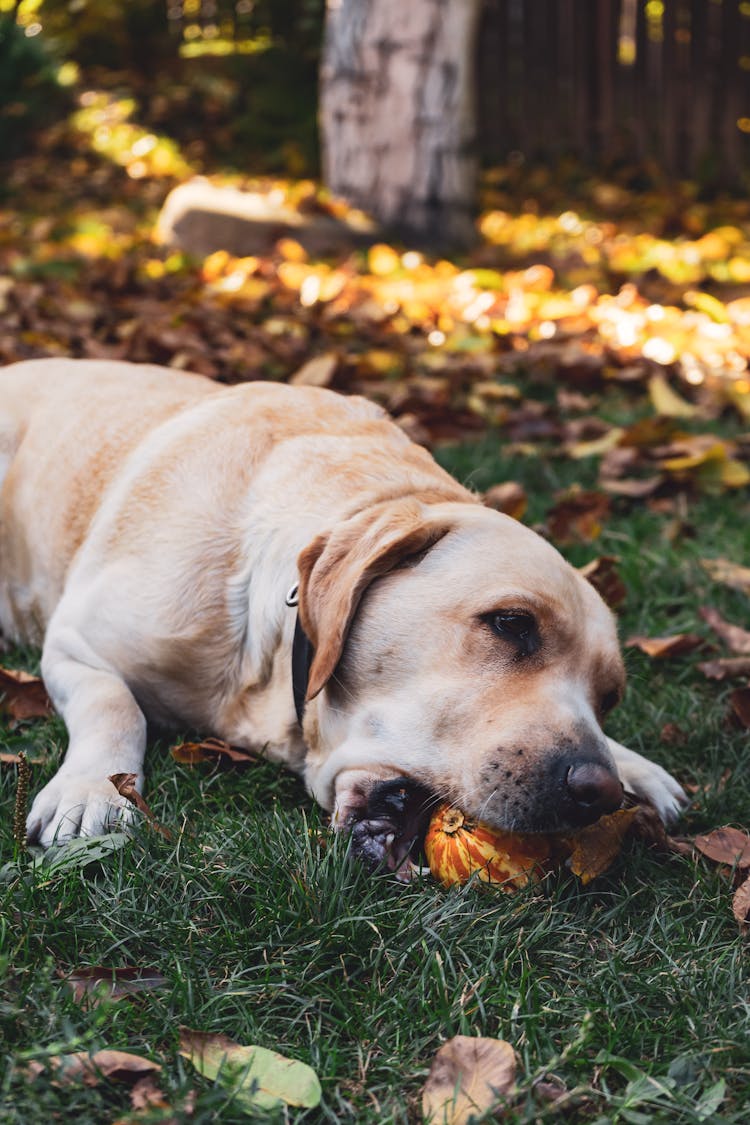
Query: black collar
pixel 302 658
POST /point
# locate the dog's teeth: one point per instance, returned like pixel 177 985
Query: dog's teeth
pixel 389 839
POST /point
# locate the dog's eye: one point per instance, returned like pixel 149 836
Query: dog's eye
pixel 609 701
pixel 518 628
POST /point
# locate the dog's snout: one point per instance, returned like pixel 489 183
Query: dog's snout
pixel 593 790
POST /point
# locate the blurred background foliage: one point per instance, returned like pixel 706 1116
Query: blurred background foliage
pixel 233 82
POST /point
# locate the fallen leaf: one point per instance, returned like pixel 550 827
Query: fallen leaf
pixel 78 853
pixel 594 848
pixel 578 516
pixel 648 827
pixel 728 573
pixel 672 734
pixel 603 575
pixel 14 759
pixel 739 700
pixel 120 1066
pixel 634 487
pixel 509 497
pixel 726 845
pixel 23 696
pixel 317 372
pixel 258 1078
pixel 735 637
pixel 468 1077
pixel 124 783
pixel 741 904
pixel 666 401
pixel 98 982
pixel 726 667
pixel 147 1094
pixel 658 648
pixel 211 750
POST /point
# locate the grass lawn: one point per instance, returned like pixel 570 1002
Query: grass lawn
pixel 633 990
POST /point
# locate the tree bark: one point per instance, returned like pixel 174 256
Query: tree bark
pixel 397 112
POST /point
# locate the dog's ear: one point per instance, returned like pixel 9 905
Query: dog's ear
pixel 338 566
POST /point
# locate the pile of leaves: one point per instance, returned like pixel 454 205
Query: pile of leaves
pixel 581 304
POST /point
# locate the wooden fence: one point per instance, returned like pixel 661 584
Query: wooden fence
pixel 613 80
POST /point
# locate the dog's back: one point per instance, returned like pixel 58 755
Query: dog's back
pixel 65 428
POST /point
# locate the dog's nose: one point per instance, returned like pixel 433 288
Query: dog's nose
pixel 594 790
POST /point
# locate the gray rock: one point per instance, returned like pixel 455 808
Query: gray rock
pixel 199 218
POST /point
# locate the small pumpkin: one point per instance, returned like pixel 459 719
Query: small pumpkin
pixel 457 847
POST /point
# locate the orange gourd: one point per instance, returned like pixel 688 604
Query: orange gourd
pixel 458 847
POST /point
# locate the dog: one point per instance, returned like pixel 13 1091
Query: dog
pixel 283 568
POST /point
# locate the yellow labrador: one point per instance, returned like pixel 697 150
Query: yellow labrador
pixel 157 531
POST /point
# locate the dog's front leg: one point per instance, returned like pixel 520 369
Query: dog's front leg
pixel 107 735
pixel 646 779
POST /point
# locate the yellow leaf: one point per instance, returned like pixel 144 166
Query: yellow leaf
pixel 734 474
pixel 715 451
pixel 666 401
pixel 382 260
pixel 598 446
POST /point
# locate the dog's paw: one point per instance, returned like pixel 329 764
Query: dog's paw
pixel 372 843
pixel 645 779
pixel 71 805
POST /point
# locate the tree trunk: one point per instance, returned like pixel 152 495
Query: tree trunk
pixel 397 112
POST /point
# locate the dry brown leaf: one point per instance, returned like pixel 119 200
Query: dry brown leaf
pixel 672 734
pixel 124 783
pixel 648 827
pixel 739 701
pixel 725 667
pixel 658 648
pixel 509 497
pixel 98 982
pixel 212 750
pixel 603 575
pixel 734 636
pixel 594 848
pixel 728 573
pixel 120 1066
pixel 147 1094
pixel 741 905
pixel 23 696
pixel 726 845
pixel 467 1078
pixel 578 516
pixel 14 759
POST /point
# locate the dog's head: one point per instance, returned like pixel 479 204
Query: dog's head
pixel 456 648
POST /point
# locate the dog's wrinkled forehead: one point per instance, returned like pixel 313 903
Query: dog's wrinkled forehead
pixel 485 560
pixel 490 562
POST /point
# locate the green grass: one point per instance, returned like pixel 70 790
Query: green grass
pixel 633 990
